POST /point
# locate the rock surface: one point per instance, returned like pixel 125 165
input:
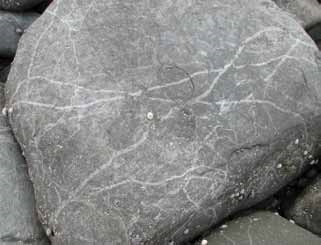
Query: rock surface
pixel 19 5
pixel 12 26
pixel 18 223
pixel 306 208
pixel 307 12
pixel 261 228
pixel 150 121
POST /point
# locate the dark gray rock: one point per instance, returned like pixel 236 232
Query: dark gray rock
pixel 307 12
pixel 315 33
pixel 149 121
pixel 261 228
pixel 305 210
pixel 19 5
pixel 12 26
pixel 4 69
pixel 18 223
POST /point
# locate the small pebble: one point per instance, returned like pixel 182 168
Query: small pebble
pixel 305 153
pixel 292 221
pixel 10 110
pixel 186 231
pixel 296 141
pixel 223 226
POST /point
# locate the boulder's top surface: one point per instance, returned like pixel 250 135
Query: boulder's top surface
pixel 149 121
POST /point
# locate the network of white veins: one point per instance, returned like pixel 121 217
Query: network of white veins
pixel 73 195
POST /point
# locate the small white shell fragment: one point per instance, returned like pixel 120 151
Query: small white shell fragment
pixel 279 165
pixel 5 111
pixel 310 157
pixel 292 221
pixel 150 115
pixel 312 162
pixel 10 110
pixel 296 141
pixel 186 231
pixel 204 242
pixel 305 153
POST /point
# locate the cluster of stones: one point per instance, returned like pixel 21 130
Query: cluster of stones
pixel 151 122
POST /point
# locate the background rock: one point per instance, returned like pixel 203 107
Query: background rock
pixel 19 5
pixel 263 228
pixel 305 210
pixel 12 26
pixel 150 121
pixel 18 222
pixel 307 12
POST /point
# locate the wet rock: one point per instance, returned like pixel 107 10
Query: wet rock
pixel 19 5
pixel 18 223
pixel 307 12
pixel 149 122
pixel 305 210
pixel 12 26
pixel 264 228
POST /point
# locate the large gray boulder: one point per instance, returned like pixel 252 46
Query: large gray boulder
pixel 261 228
pixel 18 217
pixel 149 121
pixel 307 12
pixel 12 26
pixel 19 5
pixel 305 210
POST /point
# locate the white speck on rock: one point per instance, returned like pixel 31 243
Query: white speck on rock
pixel 292 221
pixel 310 157
pixel 48 232
pixel 4 111
pixel 296 141
pixel 279 165
pixel 150 115
pixel 223 226
pixel 204 242
pixel 312 162
pixel 305 153
pixel 186 231
pixel 10 110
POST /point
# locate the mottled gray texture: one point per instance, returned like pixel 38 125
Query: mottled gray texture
pixel 19 5
pixel 306 208
pixel 307 12
pixel 143 119
pixel 12 26
pixel 261 228
pixel 18 218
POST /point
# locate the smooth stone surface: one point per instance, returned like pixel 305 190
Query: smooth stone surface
pixel 145 122
pixel 261 228
pixel 18 218
pixel 307 12
pixel 12 26
pixel 305 210
pixel 19 5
